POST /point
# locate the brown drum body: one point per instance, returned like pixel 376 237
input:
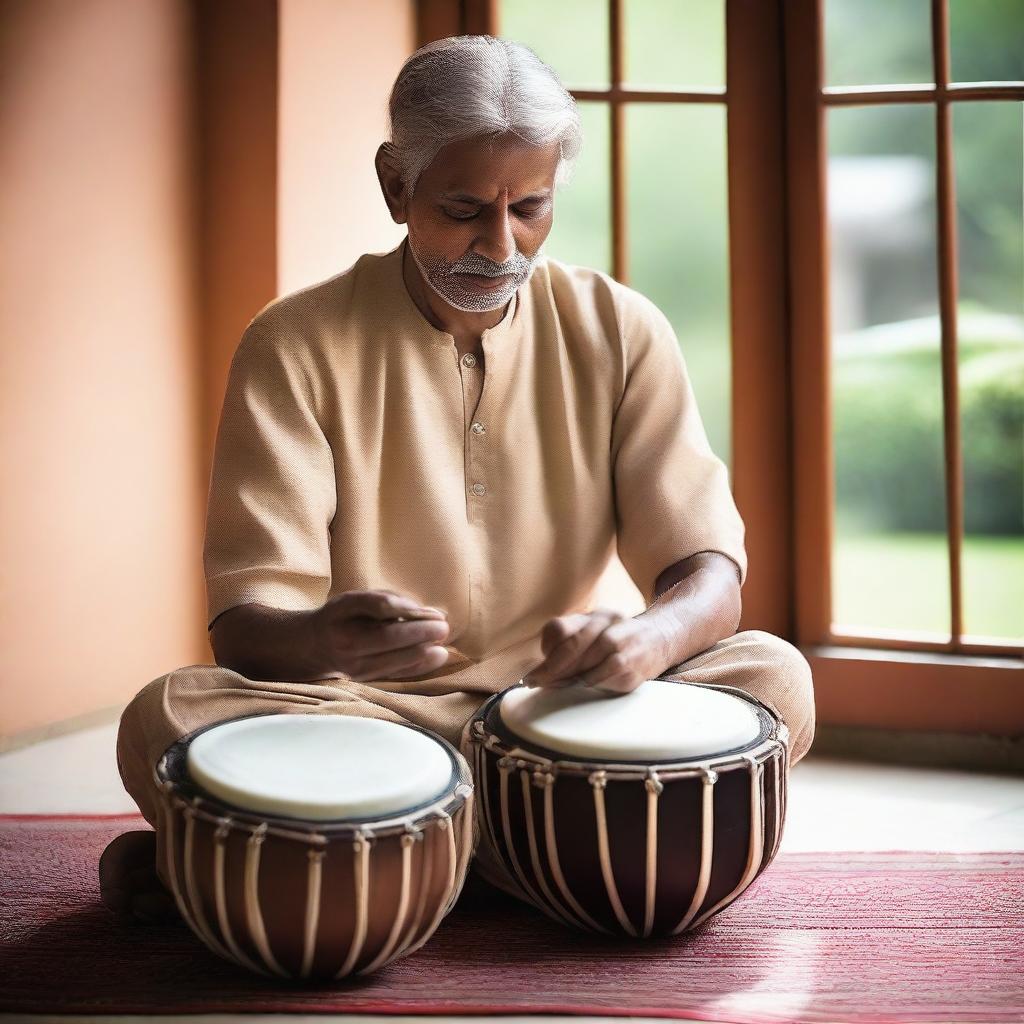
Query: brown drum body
pixel 633 849
pixel 319 900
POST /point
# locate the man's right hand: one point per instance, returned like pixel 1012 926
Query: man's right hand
pixel 378 634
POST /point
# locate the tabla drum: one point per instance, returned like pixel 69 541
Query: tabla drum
pixel 315 846
pixel 638 814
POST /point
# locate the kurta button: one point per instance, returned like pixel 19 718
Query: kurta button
pixel 477 428
pixel 469 359
pixel 479 488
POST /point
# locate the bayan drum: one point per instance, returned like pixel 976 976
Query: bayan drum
pixel 638 814
pixel 314 846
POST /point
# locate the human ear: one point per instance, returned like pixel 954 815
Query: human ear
pixel 391 184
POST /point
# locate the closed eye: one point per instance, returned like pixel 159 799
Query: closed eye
pixel 528 214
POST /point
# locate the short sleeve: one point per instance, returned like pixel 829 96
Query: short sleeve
pixel 672 492
pixel 272 492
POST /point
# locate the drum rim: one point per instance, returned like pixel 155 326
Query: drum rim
pixel 170 778
pixel 488 719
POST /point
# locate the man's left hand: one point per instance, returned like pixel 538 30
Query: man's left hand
pixel 605 649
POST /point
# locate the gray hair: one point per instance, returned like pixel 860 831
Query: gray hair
pixel 466 87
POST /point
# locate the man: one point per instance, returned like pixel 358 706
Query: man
pixel 425 463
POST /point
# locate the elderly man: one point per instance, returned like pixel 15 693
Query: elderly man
pixel 425 463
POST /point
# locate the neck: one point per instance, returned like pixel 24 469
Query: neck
pixel 440 314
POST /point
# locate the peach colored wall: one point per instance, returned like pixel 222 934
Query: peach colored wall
pixel 100 538
pixel 338 60
pixel 109 367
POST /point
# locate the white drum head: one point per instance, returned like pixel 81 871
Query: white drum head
pixel 319 767
pixel 658 720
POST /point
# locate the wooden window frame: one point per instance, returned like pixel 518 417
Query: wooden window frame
pixel 776 107
pixel 957 686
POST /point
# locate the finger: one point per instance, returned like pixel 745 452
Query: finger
pixel 386 604
pixel 410 661
pixel 559 665
pixel 402 606
pixel 614 671
pixel 413 609
pixel 570 655
pixel 554 633
pixel 607 662
pixel 557 630
pixel 609 676
pixel 396 635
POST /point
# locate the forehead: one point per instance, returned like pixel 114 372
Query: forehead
pixel 484 167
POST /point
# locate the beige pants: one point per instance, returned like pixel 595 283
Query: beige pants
pixel 189 698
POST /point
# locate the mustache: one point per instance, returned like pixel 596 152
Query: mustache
pixel 485 268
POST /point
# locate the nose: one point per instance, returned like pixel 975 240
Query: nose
pixel 496 240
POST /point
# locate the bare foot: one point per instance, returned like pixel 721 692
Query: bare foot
pixel 129 883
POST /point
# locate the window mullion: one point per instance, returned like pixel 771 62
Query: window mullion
pixel 947 269
pixel 617 134
pixel 810 372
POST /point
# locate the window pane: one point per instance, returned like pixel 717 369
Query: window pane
pixel 669 43
pixel 678 241
pixel 986 40
pixel 988 145
pixel 878 42
pixel 890 557
pixel 581 230
pixel 571 36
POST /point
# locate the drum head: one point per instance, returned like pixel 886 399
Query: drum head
pixel 319 767
pixel 659 720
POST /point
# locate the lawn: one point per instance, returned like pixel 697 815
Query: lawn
pixel 900 581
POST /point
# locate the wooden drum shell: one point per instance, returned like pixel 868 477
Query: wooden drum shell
pixel 291 898
pixel 580 838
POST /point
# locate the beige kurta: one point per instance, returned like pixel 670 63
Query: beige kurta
pixel 357 450
pixel 350 456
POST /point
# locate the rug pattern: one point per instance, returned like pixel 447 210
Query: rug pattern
pixel 864 937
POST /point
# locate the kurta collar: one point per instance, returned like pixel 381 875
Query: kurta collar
pixel 509 326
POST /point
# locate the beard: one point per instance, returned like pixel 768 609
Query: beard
pixel 450 282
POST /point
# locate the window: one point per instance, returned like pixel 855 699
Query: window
pixel 825 197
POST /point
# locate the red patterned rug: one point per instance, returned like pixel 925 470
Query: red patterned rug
pixel 858 937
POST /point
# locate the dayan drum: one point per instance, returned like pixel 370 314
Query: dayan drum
pixel 315 846
pixel 638 814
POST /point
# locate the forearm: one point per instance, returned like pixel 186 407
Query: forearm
pixel 260 642
pixel 697 604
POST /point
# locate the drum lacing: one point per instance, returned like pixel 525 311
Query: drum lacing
pixel 755 848
pixel 197 916
pixel 543 779
pixel 652 783
pixel 259 833
pixel 223 828
pixel 599 781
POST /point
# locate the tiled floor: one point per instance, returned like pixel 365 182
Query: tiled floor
pixel 834 804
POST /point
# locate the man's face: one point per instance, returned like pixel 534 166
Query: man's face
pixel 478 219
